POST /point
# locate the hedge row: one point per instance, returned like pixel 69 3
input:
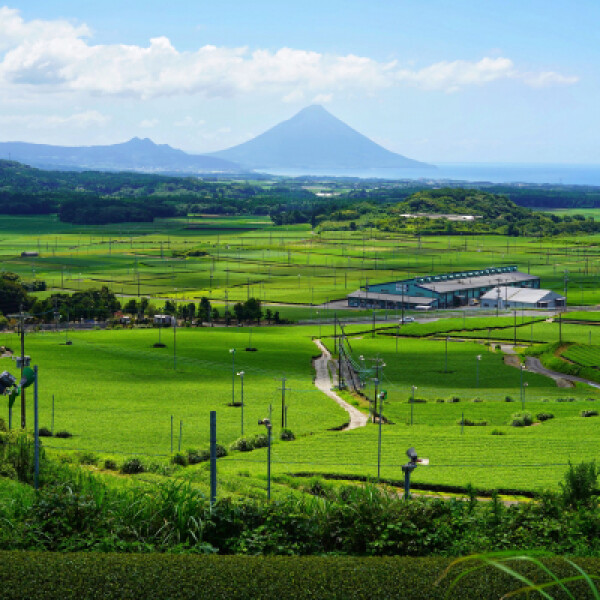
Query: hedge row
pixel 26 575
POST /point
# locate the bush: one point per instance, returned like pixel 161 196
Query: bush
pixel 477 400
pixel 63 434
pixel 197 456
pixel 589 413
pixel 179 458
pixel 521 420
pixel 453 399
pixel 287 435
pixel 260 441
pixel 509 399
pixel 498 432
pixel 110 465
pixel 241 445
pixel 565 399
pixel 44 432
pixel 544 416
pixel 579 485
pixel 87 458
pixel 132 466
pixel 440 400
pixel 470 423
pixel 416 400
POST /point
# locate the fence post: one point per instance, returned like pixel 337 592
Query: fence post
pixel 213 457
pixel 36 432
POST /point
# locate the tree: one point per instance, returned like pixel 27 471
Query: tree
pixel 131 307
pixel 12 294
pixel 239 311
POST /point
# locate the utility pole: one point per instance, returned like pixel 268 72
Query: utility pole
pixel 21 316
pixel 283 407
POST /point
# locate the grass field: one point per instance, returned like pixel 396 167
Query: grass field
pixel 116 394
pixel 249 257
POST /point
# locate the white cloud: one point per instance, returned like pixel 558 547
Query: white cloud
pixel 149 123
pixel 322 98
pixel 56 56
pixel 189 122
pixel 40 121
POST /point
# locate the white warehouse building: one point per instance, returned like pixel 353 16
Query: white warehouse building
pixel 514 297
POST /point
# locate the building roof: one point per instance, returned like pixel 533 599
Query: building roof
pixel 360 294
pixel 520 295
pixel 467 283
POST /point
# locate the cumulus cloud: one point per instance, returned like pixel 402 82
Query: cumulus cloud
pixel 149 123
pixel 58 56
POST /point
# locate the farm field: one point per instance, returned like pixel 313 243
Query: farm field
pixel 229 259
pixel 116 393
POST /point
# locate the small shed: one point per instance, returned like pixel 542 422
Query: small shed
pixel 164 320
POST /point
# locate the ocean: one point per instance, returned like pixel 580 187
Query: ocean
pixel 588 175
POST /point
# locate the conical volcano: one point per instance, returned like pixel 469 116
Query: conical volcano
pixel 314 139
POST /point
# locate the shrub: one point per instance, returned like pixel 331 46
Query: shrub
pixel 132 466
pixel 260 441
pixel 179 458
pixel 590 399
pixel 565 399
pixel 544 416
pixel 110 464
pixel 509 399
pixel 477 400
pixel 416 400
pixel 453 399
pixel 63 434
pixel 589 413
pixel 87 458
pixel 287 435
pixel 44 432
pixel 471 423
pixel 241 445
pixel 440 400
pixel 521 420
pixel 498 432
pixel 579 486
pixel 197 456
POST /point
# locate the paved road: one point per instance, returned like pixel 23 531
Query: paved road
pixel 535 366
pixel 323 383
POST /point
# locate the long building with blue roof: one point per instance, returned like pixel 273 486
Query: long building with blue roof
pixel 445 290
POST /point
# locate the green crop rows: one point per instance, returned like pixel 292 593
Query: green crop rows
pixel 587 356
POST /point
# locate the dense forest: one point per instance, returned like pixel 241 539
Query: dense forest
pixel 97 198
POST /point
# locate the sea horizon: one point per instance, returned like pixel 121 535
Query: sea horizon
pixel 495 173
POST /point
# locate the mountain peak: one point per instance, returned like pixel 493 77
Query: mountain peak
pixel 314 139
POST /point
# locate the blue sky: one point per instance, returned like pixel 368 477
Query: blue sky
pixel 462 81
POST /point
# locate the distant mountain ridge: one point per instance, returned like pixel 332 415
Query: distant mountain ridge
pixel 141 155
pixel 314 139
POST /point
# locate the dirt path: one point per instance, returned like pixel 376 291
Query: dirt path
pixel 323 383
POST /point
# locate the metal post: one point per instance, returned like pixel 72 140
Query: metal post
pixel 283 401
pixel 406 484
pixel 522 399
pixel 23 405
pixel 241 374
pixel 446 358
pixel 232 350
pixel 213 457
pixel 36 431
pixel 269 464
pixel 379 442
pixel 175 341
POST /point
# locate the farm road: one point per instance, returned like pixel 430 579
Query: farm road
pixel 323 383
pixel 535 366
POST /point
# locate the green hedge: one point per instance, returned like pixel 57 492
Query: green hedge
pixel 26 575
